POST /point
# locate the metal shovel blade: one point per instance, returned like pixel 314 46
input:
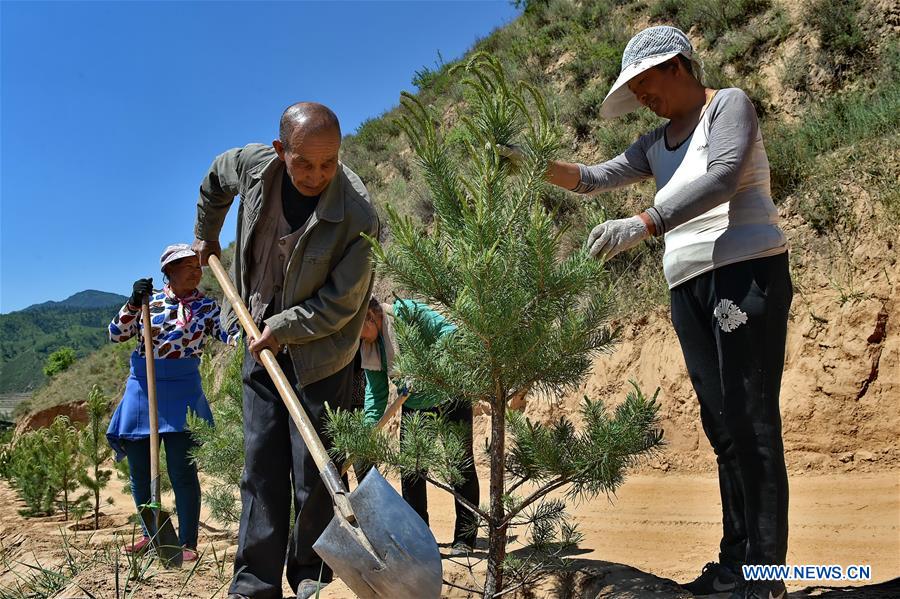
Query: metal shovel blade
pixel 389 552
pixel 163 537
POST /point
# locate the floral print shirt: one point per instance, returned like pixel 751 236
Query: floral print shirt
pixel 172 337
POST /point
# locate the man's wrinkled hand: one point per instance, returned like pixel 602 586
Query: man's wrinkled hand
pixel 614 236
pixel 206 248
pixel 266 340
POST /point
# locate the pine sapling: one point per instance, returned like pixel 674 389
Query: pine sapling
pixel 530 318
pixel 66 462
pixel 220 449
pixel 95 450
pixel 29 472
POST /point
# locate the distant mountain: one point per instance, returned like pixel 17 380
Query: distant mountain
pixel 90 298
pixel 29 336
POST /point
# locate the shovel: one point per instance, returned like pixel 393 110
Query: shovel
pixel 156 521
pixel 375 543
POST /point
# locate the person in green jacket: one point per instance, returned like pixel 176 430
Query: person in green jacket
pixel 378 351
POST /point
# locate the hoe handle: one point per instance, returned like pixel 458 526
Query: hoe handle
pixel 152 406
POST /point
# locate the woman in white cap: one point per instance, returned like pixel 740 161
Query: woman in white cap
pixel 726 265
pixel 182 320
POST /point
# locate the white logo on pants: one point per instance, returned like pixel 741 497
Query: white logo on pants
pixel 729 315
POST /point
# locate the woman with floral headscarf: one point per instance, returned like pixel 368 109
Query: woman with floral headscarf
pixel 182 320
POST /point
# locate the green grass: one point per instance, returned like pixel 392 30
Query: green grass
pixel 741 47
pixel 826 210
pixel 712 18
pixel 825 203
pixel 598 59
pixel 835 122
pixel 844 48
pixel 795 73
pixel 838 26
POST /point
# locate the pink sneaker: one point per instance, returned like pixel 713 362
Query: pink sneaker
pixel 189 555
pixel 138 547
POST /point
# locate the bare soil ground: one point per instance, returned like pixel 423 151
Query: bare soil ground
pixel 664 527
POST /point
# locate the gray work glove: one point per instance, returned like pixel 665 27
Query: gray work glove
pixel 613 236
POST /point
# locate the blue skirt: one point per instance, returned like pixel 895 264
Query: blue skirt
pixel 178 390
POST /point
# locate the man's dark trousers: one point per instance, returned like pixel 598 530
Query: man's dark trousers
pixel 274 455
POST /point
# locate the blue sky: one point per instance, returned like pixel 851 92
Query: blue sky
pixel 111 112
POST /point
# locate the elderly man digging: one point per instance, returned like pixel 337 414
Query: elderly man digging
pixel 304 271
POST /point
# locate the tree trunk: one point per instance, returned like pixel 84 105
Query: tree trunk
pixel 96 499
pixel 496 536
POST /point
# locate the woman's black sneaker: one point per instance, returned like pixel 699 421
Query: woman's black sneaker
pixel 714 578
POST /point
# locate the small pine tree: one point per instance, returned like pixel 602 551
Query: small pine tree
pixel 528 317
pixel 5 461
pixel 29 472
pixel 220 450
pixel 59 361
pixel 66 462
pixel 6 453
pixel 96 450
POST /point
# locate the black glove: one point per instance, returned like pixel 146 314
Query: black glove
pixel 140 289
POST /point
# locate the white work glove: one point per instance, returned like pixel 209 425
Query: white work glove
pixel 613 236
pixel 513 153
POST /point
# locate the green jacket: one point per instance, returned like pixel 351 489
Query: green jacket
pixel 377 386
pixel 329 274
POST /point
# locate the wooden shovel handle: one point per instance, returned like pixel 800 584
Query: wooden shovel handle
pixel 326 468
pixel 153 409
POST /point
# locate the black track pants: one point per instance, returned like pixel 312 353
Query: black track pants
pixel 732 325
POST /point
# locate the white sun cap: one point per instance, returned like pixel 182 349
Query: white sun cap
pixel 174 252
pixel 650 47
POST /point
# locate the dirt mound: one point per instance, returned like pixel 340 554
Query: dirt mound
pixel 76 411
pixel 839 393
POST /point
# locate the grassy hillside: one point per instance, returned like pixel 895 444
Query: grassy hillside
pixel 824 75
pixel 28 337
pixel 825 78
pixel 107 367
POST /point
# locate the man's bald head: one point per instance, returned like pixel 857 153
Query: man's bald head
pixel 307 118
pixel 309 143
